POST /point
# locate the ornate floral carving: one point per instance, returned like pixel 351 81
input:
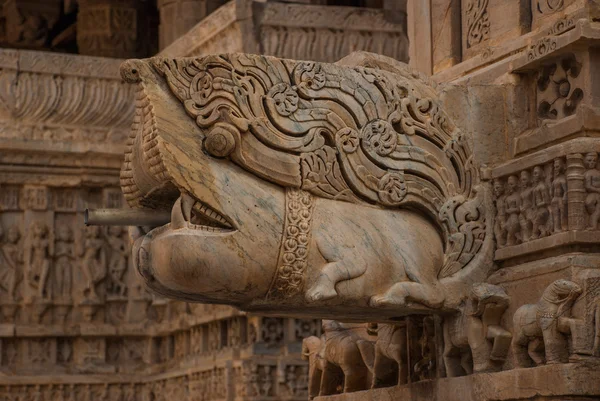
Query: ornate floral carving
pixel 310 75
pixel 561 26
pixel 302 115
pixel 392 188
pixel 285 99
pixel 347 139
pixel 541 48
pixel 380 136
pixel 478 22
pixel 558 91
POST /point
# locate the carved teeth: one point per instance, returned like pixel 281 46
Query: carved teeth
pixel 209 216
pixel 187 212
pixel 177 215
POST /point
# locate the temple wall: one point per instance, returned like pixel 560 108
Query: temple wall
pixel 75 321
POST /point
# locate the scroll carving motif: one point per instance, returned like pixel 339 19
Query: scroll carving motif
pixel 541 48
pixel 549 6
pixel 478 22
pixel 561 26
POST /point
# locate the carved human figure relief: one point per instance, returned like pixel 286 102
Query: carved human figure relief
pixel 38 259
pixel 12 257
pixel 93 262
pixel 559 196
pixel 117 262
pixel 295 139
pixel 541 198
pixel 513 210
pixel 592 186
pixel 64 257
pixel 501 217
pixel 527 211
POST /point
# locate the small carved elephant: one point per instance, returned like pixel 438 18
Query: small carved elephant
pixel 390 366
pixel 543 326
pixel 338 357
pixel 474 341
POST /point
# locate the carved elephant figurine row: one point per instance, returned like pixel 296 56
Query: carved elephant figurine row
pixel 475 341
pixel 356 357
pixel 346 357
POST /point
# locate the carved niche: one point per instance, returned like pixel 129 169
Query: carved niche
pixel 305 136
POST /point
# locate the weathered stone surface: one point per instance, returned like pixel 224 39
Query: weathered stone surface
pixel 75 321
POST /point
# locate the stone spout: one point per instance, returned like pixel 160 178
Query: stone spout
pixel 126 217
pixel 304 189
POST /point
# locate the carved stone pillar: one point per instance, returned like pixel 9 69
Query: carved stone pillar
pixel 28 22
pixel 109 28
pixel 576 192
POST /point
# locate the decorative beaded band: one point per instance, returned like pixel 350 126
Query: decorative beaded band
pixel 289 278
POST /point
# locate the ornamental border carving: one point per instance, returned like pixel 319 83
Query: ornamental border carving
pixel 289 278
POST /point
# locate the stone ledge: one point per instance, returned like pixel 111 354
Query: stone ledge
pixel 550 242
pixel 551 382
pixel 577 145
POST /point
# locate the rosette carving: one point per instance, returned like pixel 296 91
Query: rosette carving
pixel 392 189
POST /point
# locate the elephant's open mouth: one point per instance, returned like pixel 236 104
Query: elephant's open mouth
pixel 188 212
